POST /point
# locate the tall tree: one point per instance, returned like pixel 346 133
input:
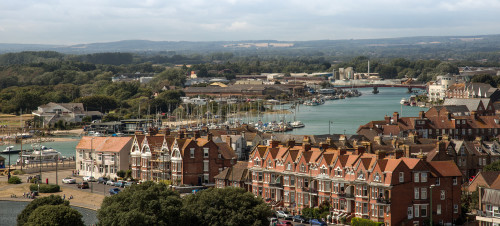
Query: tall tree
pixel 57 215
pixel 22 218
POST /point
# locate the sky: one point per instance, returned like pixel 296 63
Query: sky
pixel 66 22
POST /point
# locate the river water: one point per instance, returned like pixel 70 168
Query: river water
pixel 346 115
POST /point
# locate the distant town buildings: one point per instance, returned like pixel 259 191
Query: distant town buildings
pixel 66 112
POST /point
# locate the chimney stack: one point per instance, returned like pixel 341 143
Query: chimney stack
pixel 421 114
pixel 210 136
pixel 395 117
pixel 387 119
pixel 359 150
pixel 380 154
pixel 290 143
pixel 398 153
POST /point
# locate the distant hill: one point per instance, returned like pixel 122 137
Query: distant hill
pixel 442 47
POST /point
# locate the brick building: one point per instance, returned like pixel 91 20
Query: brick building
pixel 439 121
pixel 358 183
pixel 193 161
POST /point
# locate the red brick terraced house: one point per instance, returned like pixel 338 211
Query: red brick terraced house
pixel 191 161
pixel 394 190
pixel 436 122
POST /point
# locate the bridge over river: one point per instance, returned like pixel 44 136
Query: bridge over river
pixel 376 86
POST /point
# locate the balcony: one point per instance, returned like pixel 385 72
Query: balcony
pixel 345 195
pixel 383 200
pixel 310 190
pixel 275 185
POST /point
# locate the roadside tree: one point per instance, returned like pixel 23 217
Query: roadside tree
pixel 55 215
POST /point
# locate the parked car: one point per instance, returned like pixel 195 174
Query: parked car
pixel 69 180
pixel 120 183
pixel 128 184
pixel 89 178
pixel 284 223
pixel 110 182
pixel 300 218
pixel 102 180
pixel 283 214
pixel 318 222
pixel 83 185
pixel 114 191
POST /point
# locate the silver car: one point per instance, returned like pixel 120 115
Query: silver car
pixel 69 180
pixel 110 182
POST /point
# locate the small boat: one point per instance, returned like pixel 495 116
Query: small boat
pixel 375 90
pixel 404 102
pixel 297 124
pixel 10 150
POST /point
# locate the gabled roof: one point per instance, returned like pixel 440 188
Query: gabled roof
pixel 104 144
pixel 445 168
pixel 226 151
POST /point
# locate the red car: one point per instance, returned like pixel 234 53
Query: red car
pixel 83 185
pixel 284 223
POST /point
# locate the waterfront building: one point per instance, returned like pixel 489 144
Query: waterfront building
pixel 357 182
pixel 102 156
pixel 472 90
pixel 192 161
pixel 437 122
pixel 437 89
pixel 67 112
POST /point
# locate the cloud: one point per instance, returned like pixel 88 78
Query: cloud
pixel 238 26
pixel 76 21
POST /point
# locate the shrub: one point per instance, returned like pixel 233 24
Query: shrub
pixel 120 173
pixel 22 218
pixel 18 172
pixel 14 180
pixel 45 188
pixel 364 222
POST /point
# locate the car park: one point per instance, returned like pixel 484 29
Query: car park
pixel 102 180
pixel 114 191
pixel 283 214
pixel 83 185
pixel 110 182
pixel 69 180
pixel 300 218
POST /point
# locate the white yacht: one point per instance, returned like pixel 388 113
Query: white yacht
pixel 42 155
pixel 297 124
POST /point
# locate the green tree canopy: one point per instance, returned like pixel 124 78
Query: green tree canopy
pixel 22 218
pixel 55 215
pixel 494 166
pixel 98 102
pixel 145 204
pixel 227 206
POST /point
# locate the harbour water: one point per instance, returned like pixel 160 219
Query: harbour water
pixel 67 148
pixel 346 115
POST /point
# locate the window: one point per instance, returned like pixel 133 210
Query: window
pixel 380 211
pixel 443 192
pixel 302 168
pixel 289 166
pixel 292 180
pixel 417 212
pixel 269 164
pixel 424 177
pixel 423 211
pixel 219 155
pixel 417 193
pixel 205 166
pixel 205 153
pixel 438 181
pixel 401 177
pixel 365 191
pixel 80 154
pixel 454 180
pixel 424 193
pixel 410 212
pixel 191 151
pixel 416 177
pixel 377 177
pixel 99 157
pixel 438 211
pixel 455 208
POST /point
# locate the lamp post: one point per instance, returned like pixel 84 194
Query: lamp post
pixel 92 169
pixel 430 189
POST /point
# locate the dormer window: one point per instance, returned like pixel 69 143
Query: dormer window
pixel 289 166
pixel 269 163
pixel 323 170
pixel 302 168
pixel 377 177
pixel 361 175
pixel 257 161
